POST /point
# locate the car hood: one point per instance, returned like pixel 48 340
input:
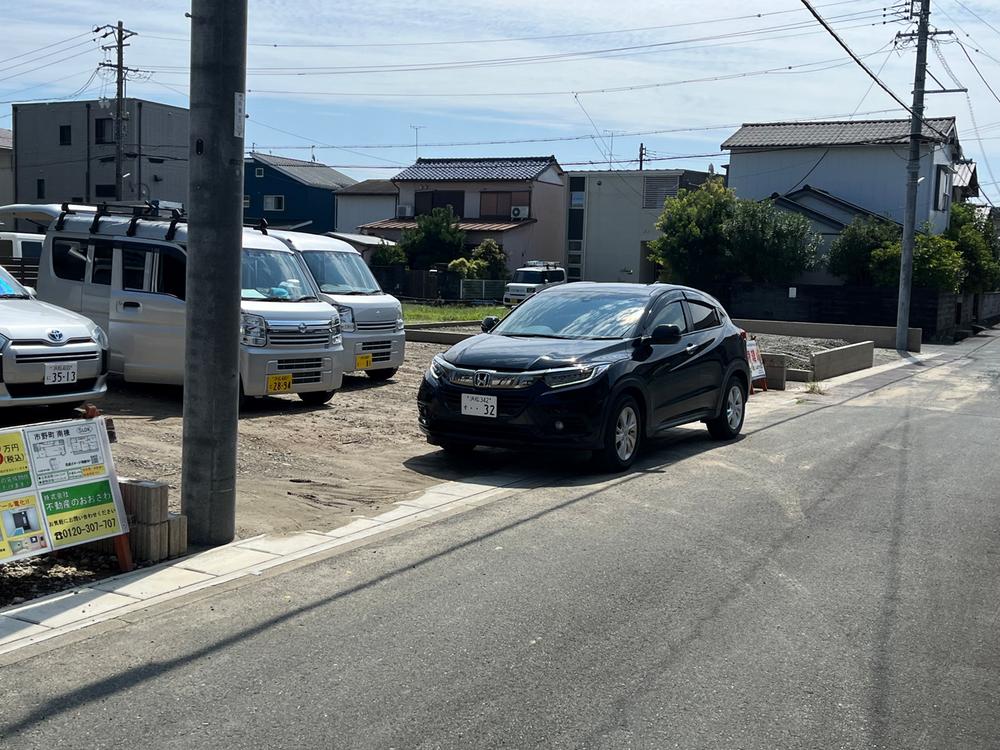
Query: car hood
pixel 368 308
pixel 32 319
pixel 495 352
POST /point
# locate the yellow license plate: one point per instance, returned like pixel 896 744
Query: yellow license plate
pixel 362 361
pixel 279 383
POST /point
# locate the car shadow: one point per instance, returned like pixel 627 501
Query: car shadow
pixel 564 468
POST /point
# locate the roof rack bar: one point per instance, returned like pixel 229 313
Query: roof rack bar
pixel 62 217
pixel 175 218
pixel 262 226
pixel 102 210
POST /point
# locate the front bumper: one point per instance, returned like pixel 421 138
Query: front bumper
pixel 386 350
pixel 525 418
pixel 311 370
pixel 22 373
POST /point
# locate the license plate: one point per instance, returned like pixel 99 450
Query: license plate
pixel 362 361
pixel 62 373
pixel 279 383
pixel 477 405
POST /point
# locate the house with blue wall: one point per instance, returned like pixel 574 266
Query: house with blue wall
pixel 291 193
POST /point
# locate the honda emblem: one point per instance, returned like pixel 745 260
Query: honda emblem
pixel 482 379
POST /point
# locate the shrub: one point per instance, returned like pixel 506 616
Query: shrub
pixel 851 253
pixel 770 245
pixel 937 264
pixel 437 238
pixel 388 255
pixel 493 258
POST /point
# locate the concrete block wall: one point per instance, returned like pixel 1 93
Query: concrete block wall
pixel 842 360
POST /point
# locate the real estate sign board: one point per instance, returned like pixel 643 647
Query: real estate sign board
pixel 58 488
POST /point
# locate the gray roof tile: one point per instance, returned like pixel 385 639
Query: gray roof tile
pixel 6 138
pixel 833 133
pixel 503 168
pixel 370 187
pixel 311 173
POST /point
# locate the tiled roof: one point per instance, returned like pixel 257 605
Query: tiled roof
pixel 503 168
pixel 471 225
pixel 833 133
pixel 6 138
pixel 311 173
pixel 370 187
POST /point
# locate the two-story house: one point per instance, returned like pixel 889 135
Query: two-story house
pixel 517 201
pixel 833 171
pixel 291 193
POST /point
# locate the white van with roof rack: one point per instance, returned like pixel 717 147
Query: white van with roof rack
pixel 533 277
pixel 124 267
pixel 370 319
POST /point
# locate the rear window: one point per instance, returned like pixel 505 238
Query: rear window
pixel 31 250
pixel 703 316
pixel 69 259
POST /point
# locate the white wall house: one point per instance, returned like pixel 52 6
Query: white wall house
pixel 859 162
pixel 365 202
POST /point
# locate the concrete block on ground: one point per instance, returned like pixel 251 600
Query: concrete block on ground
pixel 150 542
pixel 842 360
pixel 177 535
pixel 145 584
pixel 776 367
pixel 65 609
pixel 224 560
pixel 145 501
pixel 799 376
pixel 12 630
pixel 285 545
pixel 883 336
pixel 436 337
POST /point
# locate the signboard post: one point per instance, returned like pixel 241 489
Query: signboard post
pixel 58 489
pixel 757 372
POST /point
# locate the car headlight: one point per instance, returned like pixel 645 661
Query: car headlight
pixel 400 323
pixel 253 330
pixel 346 318
pixel 335 330
pixel 438 370
pixel 100 337
pixel 574 375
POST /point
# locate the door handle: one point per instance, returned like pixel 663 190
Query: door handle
pixel 692 348
pixel 130 305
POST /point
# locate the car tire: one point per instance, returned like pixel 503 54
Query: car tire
pixel 729 422
pixel 622 434
pixel 316 398
pixel 380 375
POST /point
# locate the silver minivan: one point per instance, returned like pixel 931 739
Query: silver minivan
pixel 371 320
pixel 127 273
pixel 47 355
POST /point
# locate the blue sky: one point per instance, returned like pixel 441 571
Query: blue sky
pixel 356 75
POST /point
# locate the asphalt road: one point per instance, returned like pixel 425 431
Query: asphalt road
pixel 829 581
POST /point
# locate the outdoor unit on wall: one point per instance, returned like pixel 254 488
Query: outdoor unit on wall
pixel 519 212
pixel 404 212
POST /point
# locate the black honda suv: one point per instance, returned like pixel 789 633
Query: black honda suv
pixel 592 367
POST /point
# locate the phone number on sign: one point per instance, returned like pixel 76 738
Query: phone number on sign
pixel 108 524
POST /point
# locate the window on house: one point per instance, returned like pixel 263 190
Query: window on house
pixel 259 172
pixel 498 205
pixel 246 201
pixel 65 135
pixel 575 229
pixel 942 189
pixel 274 203
pixel 656 190
pixel 577 191
pixel 40 189
pixel 427 200
pixel 69 259
pixel 104 191
pixel 573 274
pixel 104 130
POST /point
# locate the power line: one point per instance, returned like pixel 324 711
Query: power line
pixel 548 37
pixel 47 65
pixel 47 46
pixel 978 72
pixel 973 13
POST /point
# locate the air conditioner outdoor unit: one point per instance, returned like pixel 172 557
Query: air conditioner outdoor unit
pixel 519 212
pixel 404 212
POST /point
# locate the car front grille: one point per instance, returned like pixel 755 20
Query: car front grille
pixel 376 325
pixel 381 351
pixel 314 363
pixel 35 390
pixel 57 356
pixel 313 337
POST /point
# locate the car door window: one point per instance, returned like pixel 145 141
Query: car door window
pixel 69 259
pixel 101 270
pixel 671 314
pixel 134 269
pixel 702 316
pixel 168 275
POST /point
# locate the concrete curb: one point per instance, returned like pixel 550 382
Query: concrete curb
pixel 436 337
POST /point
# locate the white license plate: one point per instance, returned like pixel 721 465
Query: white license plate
pixel 61 373
pixel 476 405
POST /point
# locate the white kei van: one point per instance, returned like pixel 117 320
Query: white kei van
pixel 125 270
pixel 371 320
pixel 21 245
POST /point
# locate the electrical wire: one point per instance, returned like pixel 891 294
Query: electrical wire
pixel 973 13
pixel 46 65
pixel 47 46
pixel 979 72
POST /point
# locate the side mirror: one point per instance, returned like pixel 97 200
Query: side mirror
pixel 665 334
pixel 31 292
pixel 489 323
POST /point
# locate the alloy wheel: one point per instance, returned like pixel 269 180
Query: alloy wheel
pixel 734 407
pixel 626 433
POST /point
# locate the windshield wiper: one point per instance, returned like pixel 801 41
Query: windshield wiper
pixel 15 296
pixel 308 298
pixel 536 335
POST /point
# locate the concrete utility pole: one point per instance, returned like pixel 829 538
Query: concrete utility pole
pixel 120 34
pixel 215 240
pixel 912 179
pixel 642 155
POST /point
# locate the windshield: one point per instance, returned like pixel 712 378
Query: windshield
pixel 536 277
pixel 341 273
pixel 275 276
pixel 9 288
pixel 580 315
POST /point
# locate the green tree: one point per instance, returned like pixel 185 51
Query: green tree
pixel 468 269
pixel 937 263
pixel 493 258
pixel 388 255
pixel 694 245
pixel 851 253
pixel 770 245
pixel 437 238
pixel 977 242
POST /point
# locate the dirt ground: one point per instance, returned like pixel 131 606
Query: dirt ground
pixel 299 467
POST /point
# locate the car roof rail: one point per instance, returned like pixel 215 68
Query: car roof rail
pixel 176 217
pixel 62 216
pixel 102 210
